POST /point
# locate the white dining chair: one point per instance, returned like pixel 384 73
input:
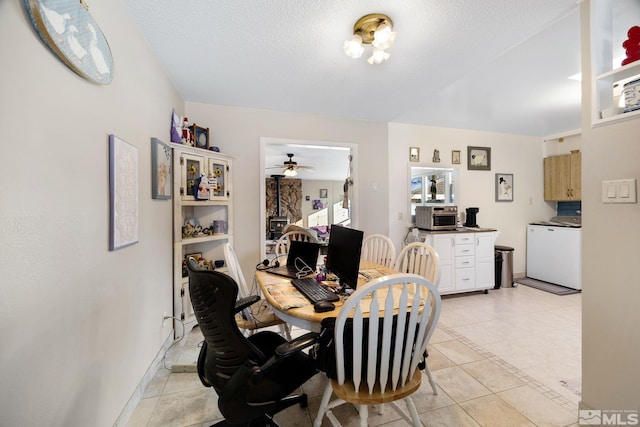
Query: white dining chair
pixel 258 315
pixel 379 349
pixel 379 249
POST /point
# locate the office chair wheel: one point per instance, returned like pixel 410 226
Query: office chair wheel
pixel 264 421
pixel 304 401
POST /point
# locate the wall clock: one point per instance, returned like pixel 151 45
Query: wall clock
pixel 68 29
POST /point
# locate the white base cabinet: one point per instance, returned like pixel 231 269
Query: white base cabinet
pixel 466 260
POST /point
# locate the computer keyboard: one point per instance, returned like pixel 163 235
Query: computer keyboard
pixel 313 291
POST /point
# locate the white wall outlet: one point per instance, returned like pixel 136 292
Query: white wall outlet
pixel 619 191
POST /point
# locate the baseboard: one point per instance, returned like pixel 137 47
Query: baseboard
pixel 134 400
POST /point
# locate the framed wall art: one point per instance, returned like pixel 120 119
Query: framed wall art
pixel 123 193
pixel 200 136
pixel 479 158
pixel 414 154
pixel 324 193
pixel 161 172
pixel 504 187
pixel 455 157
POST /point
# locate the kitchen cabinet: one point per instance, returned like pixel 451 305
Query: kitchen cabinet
pixel 465 259
pixel 562 177
pixel 202 219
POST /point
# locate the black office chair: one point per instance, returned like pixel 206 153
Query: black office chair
pixel 253 376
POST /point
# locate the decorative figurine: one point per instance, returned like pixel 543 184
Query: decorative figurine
pixel 187 135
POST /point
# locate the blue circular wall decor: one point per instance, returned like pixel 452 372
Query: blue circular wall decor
pixel 68 29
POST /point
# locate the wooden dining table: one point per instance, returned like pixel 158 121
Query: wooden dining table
pixel 292 307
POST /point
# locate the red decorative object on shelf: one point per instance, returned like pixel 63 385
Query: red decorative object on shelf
pixel 632 45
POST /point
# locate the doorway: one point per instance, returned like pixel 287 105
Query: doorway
pixel 324 167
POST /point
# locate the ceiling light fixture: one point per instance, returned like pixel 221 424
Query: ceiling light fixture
pixel 289 172
pixel 375 29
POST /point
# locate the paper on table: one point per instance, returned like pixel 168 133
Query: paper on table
pixel 287 296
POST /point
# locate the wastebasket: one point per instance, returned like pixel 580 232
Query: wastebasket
pixel 504 267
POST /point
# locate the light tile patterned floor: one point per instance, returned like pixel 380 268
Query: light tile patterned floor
pixel 508 358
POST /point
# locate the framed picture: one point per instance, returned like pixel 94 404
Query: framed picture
pixel 317 204
pixel 504 187
pixel 200 136
pixel 414 154
pixel 479 158
pixel 323 193
pixel 455 157
pixel 161 160
pixel 123 193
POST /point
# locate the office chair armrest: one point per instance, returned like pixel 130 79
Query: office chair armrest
pixel 287 349
pixel 243 303
pixel 297 344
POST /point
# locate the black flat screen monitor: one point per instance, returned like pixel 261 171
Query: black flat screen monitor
pixel 343 254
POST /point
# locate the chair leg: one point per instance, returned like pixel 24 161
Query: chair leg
pixel 415 418
pixel 430 377
pixel 324 403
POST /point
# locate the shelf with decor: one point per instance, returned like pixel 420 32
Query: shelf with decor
pixel 202 219
pixel 608 28
pixel 608 87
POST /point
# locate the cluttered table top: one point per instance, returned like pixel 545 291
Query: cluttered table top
pixel 292 307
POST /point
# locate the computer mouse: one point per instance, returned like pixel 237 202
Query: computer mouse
pixel 322 306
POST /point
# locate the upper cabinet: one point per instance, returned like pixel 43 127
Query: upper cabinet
pixel 562 180
pixel 610 21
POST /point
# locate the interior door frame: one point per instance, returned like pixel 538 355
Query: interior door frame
pixel 353 192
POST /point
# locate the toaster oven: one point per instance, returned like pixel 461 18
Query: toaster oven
pixel 437 217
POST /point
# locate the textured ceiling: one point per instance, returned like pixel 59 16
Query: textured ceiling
pixel 495 65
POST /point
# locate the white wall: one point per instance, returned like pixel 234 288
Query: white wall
pixel 610 254
pixel 237 131
pixel 312 188
pixel 80 325
pixel 519 155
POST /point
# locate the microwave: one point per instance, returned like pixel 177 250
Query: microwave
pixel 437 217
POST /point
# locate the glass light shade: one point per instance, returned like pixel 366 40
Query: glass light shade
pixel 383 37
pixel 378 56
pixel 290 172
pixel 353 47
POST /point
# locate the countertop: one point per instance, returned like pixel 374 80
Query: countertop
pixel 460 230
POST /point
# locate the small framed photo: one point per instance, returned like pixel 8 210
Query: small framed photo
pixel 317 204
pixel 504 187
pixel 323 193
pixel 455 157
pixel 479 158
pixel 161 160
pixel 414 154
pixel 201 136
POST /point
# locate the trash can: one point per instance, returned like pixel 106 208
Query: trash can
pixel 504 267
pixel 497 258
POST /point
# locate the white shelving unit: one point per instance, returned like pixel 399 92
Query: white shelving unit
pixel 604 30
pixel 188 164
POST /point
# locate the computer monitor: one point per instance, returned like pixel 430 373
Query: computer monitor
pixel 343 254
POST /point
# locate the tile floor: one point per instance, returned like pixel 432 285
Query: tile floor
pixel 508 358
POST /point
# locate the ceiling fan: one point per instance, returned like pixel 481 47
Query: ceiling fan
pixel 290 167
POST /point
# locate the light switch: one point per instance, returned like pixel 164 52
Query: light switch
pixel 624 190
pixel 619 191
